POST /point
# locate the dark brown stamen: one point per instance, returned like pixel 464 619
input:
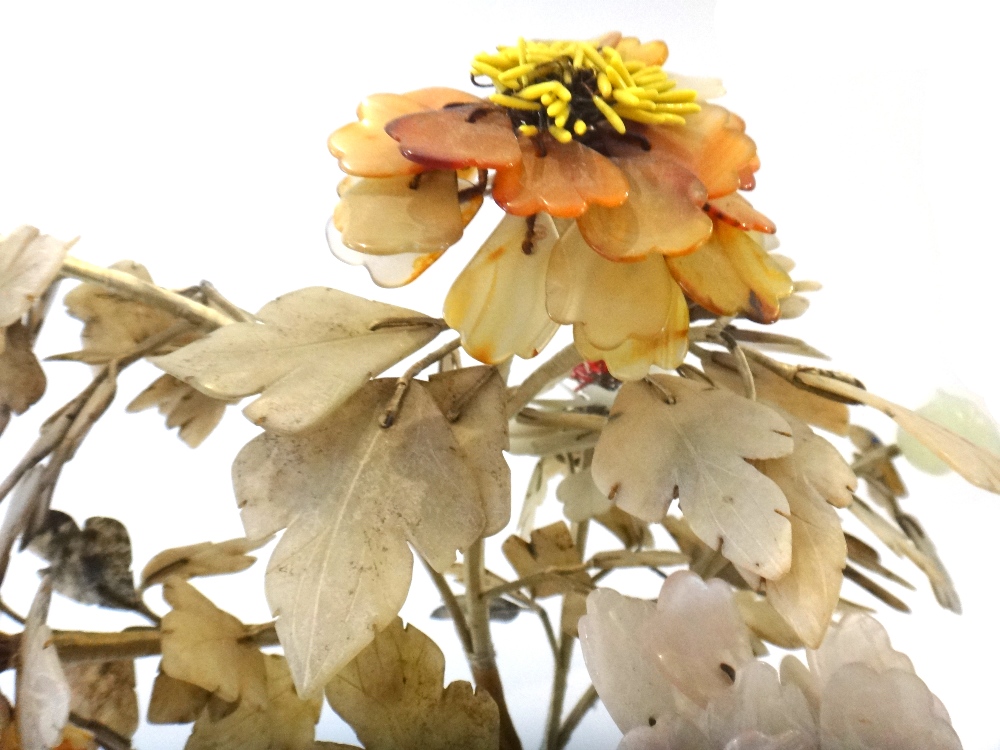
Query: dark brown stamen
pixel 478 113
pixel 415 182
pixel 528 246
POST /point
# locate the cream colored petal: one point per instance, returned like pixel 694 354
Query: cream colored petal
pixel 391 215
pixel 707 88
pixel 497 303
pixel 663 212
pixel 731 273
pixel 632 359
pixel 388 271
pixel 612 301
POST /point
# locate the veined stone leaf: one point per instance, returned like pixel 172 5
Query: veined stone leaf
pixel 393 697
pixel 205 646
pixel 283 722
pixel 29 262
pixel 481 432
pixel 104 691
pixel 976 465
pixel 43 694
pixel 772 389
pixel 312 349
pixel 186 408
pixel 22 380
pixel 352 494
pixel 114 324
pixel 814 478
pixel 551 546
pixel 670 437
pixel 203 559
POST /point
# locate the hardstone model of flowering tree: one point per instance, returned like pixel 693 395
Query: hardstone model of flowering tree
pixel 622 188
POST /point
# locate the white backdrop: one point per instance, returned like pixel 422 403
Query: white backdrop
pixel 191 136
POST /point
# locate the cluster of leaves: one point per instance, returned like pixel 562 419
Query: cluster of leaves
pixel 356 470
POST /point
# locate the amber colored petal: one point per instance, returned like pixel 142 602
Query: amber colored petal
pixel 388 271
pixel 632 359
pixel 707 88
pixel 736 211
pixel 364 149
pixel 612 301
pixel 437 97
pixel 497 303
pixel 731 273
pixel 713 145
pixel 472 135
pixel 662 214
pixel 390 215
pixel 650 53
pixel 748 181
pixel 564 182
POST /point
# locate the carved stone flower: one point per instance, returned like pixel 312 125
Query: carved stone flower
pixel 621 193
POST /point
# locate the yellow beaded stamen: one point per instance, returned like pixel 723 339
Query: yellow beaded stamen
pixel 535 76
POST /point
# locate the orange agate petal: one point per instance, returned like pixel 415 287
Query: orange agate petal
pixel 713 145
pixel 731 273
pixel 664 212
pixel 564 182
pixel 472 135
pixel 651 53
pixel 497 303
pixel 612 301
pixel 736 211
pixel 364 149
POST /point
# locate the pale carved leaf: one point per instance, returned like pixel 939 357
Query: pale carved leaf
pixel 775 390
pixel 976 465
pixel 352 494
pixel 186 408
pixel 104 691
pixel 206 647
pixel 283 722
pixel 480 428
pixel 550 547
pixel 392 695
pixel 670 437
pixel 112 324
pixel 43 693
pixel 580 497
pixel 312 349
pixel 175 701
pixel 203 559
pixel 29 262
pixel 545 469
pixel 814 478
pixel 22 380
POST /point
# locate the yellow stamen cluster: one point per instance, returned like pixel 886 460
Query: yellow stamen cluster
pixel 549 76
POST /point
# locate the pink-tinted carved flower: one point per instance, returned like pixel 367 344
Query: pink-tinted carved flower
pixel 621 193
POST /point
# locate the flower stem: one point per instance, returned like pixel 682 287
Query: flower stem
pixel 519 396
pixel 451 603
pixel 482 658
pixel 403 383
pixel 134 288
pixel 575 716
pixel 564 657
